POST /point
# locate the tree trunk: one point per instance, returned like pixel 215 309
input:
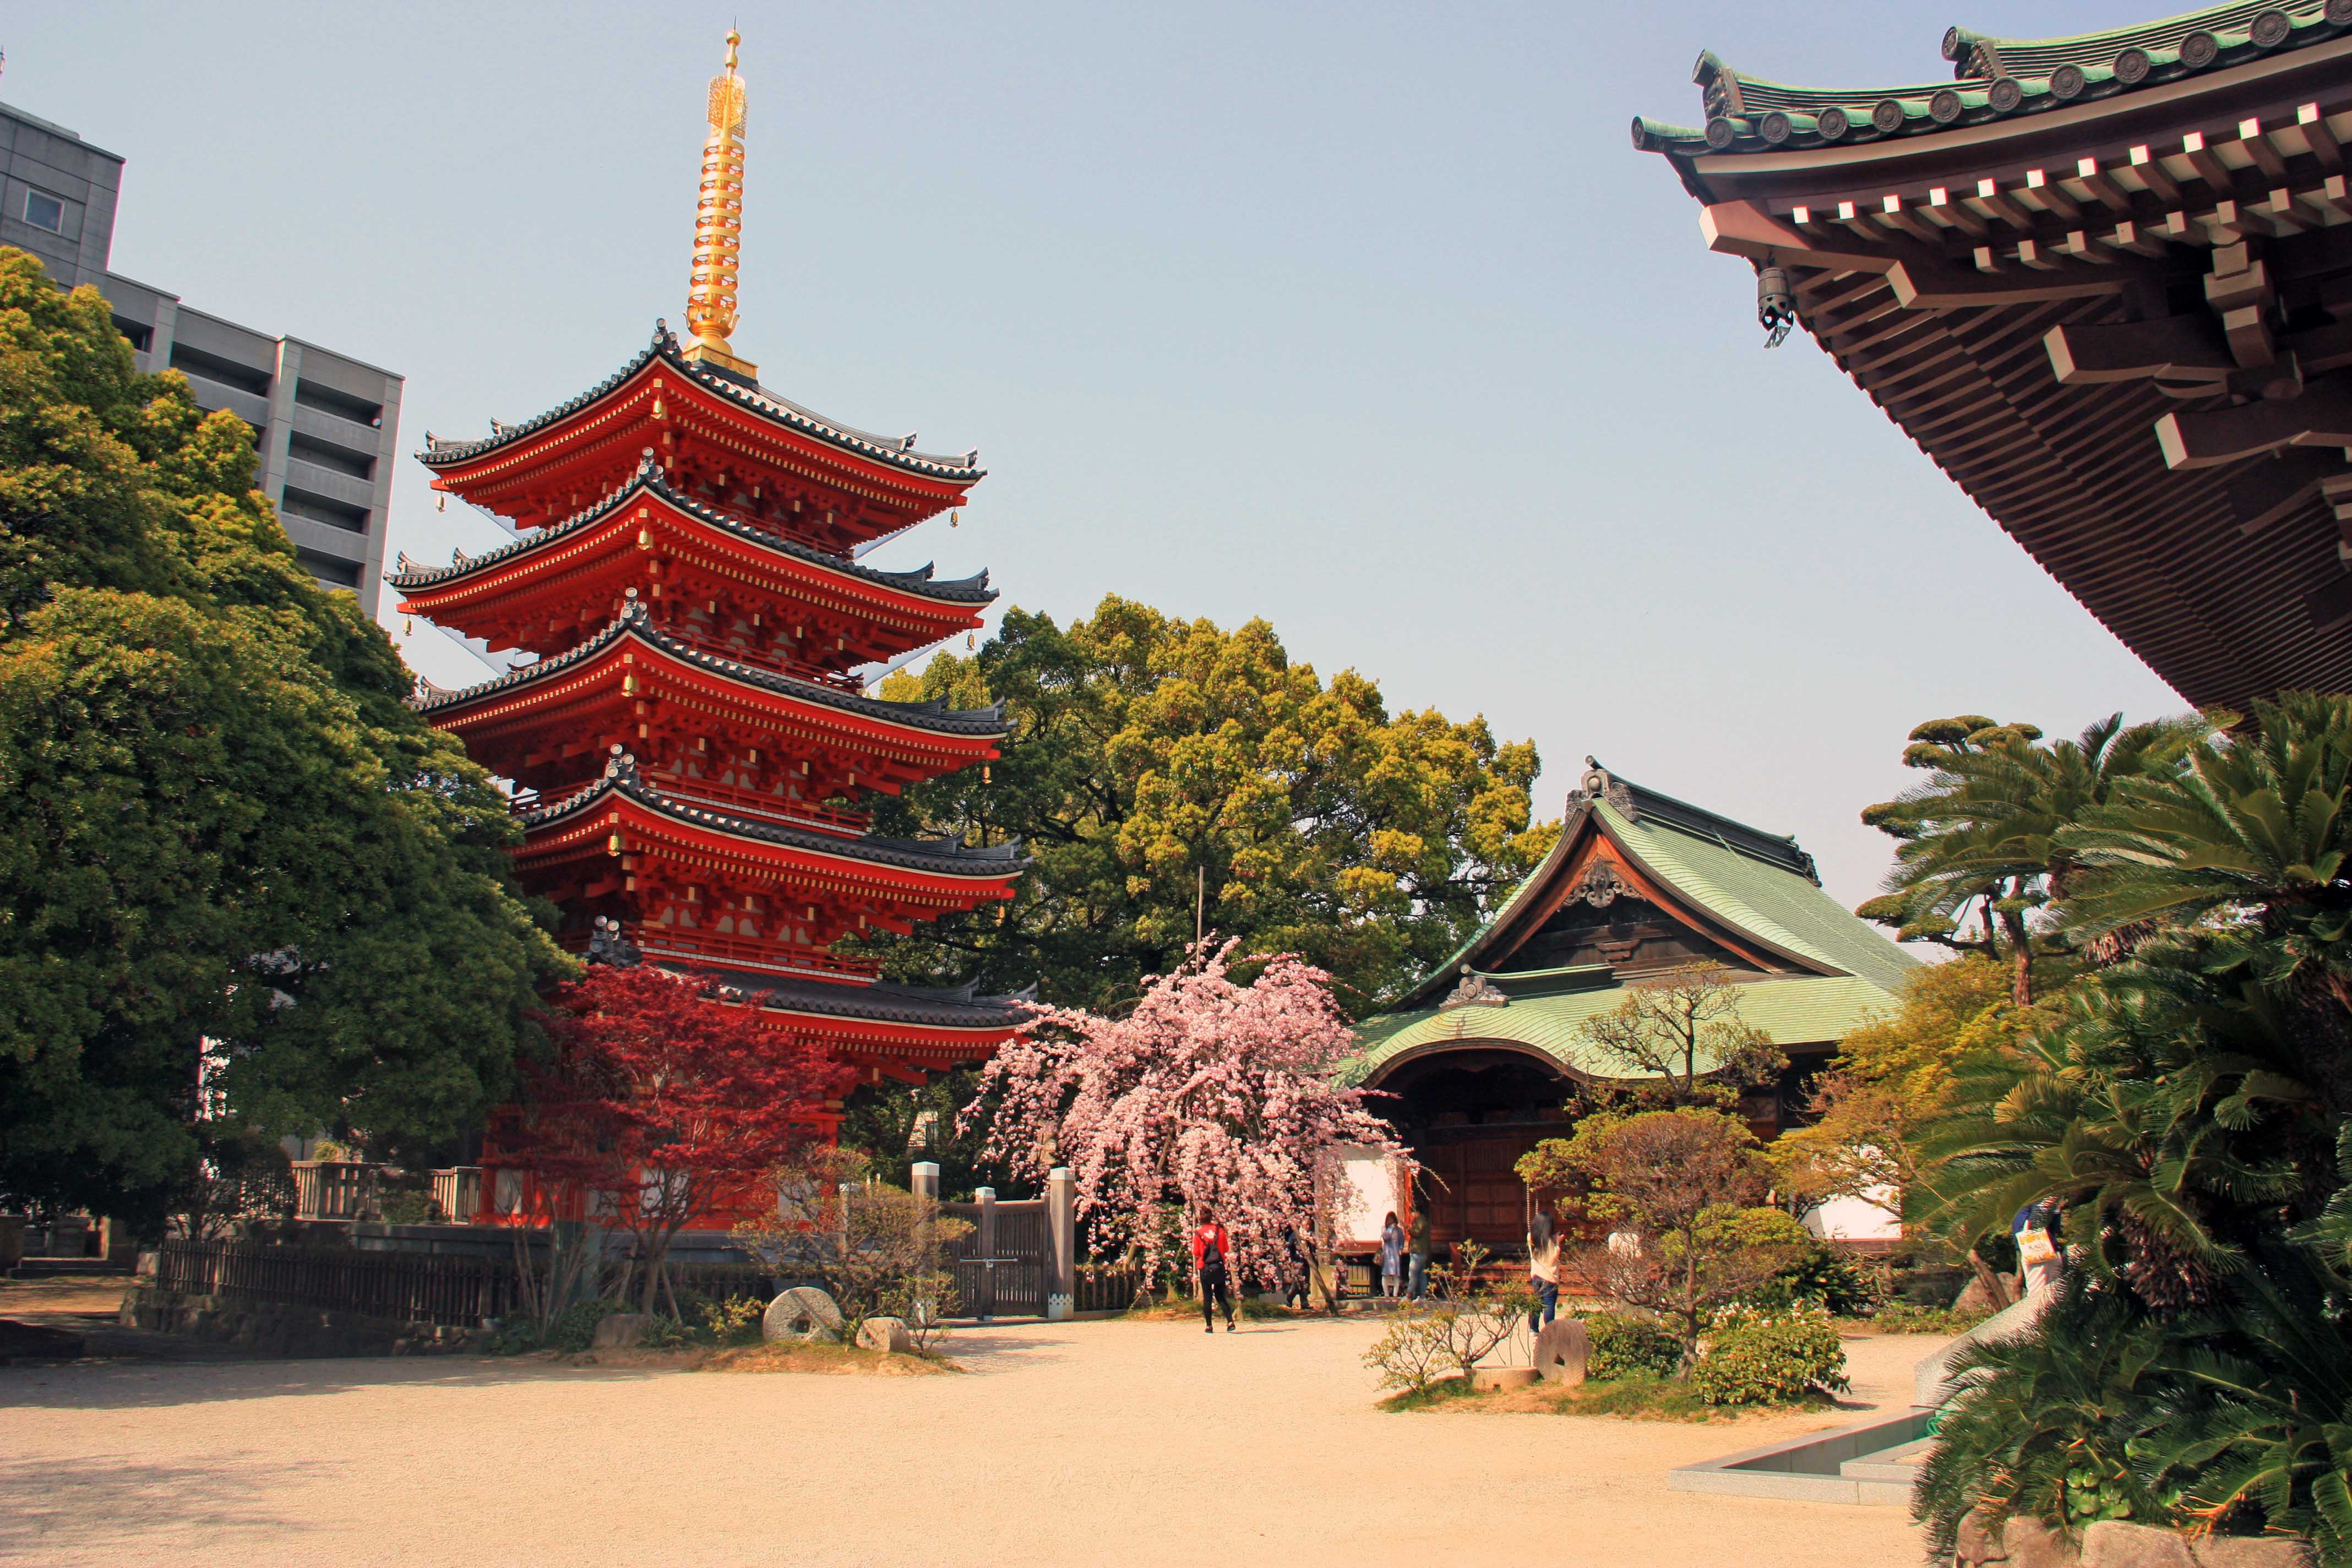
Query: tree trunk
pixel 2021 988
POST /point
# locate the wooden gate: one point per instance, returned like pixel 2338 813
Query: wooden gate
pixel 1003 1264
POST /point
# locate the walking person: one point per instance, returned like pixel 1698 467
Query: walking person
pixel 1211 1255
pixel 1393 1239
pixel 1295 1272
pixel 1543 1271
pixel 1417 1280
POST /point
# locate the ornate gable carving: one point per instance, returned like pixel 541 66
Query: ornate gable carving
pixel 1598 783
pixel 1601 885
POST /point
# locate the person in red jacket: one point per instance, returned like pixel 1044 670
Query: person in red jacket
pixel 1213 1255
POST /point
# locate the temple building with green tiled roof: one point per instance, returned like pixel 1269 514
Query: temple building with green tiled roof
pixel 1479 1059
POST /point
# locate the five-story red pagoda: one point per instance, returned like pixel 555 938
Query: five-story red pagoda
pixel 691 746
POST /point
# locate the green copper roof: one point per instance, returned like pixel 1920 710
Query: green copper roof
pixel 1760 884
pixel 1995 79
pixel 1796 1010
pixel 1760 897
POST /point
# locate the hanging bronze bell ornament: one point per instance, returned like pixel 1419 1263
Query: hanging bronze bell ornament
pixel 1775 307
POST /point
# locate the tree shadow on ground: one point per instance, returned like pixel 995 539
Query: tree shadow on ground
pixel 51 1506
pixel 989 1351
pixel 139 1385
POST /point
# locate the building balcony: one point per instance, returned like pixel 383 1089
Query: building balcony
pixel 211 394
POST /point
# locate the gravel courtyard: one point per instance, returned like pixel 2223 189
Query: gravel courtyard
pixel 1126 1442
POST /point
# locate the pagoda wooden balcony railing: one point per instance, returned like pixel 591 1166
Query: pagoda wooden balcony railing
pixel 768 659
pixel 767 807
pixel 747 953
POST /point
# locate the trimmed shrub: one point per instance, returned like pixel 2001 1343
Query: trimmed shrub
pixel 1828 1276
pixel 1752 1357
pixel 574 1327
pixel 1623 1345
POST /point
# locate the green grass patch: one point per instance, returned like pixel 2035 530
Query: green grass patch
pixel 1452 1391
pixel 1646 1396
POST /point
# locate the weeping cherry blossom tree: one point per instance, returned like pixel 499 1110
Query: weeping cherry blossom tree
pixel 1208 1092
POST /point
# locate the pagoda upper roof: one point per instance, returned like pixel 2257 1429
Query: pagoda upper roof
pixel 892 451
pixel 635 624
pixel 1995 80
pixel 945 857
pixel 411 575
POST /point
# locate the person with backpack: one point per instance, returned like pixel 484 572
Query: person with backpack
pixel 1212 1253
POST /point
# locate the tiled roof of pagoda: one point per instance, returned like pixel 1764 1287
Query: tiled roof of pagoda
pixel 648 481
pixel 636 622
pixel 944 857
pixel 895 451
pixel 1996 79
pixel 938 1007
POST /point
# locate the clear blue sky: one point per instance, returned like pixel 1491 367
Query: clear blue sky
pixel 1364 319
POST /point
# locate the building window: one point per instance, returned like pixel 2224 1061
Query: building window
pixel 43 211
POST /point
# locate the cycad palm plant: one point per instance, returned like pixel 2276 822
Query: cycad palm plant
pixel 1984 830
pixel 2254 832
pixel 2167 1110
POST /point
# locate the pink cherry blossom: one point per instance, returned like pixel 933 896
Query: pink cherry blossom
pixel 1208 1093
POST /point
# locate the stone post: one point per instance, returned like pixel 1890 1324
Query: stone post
pixel 924 1181
pixel 1061 1223
pixel 986 1239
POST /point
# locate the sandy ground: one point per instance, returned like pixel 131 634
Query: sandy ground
pixel 1127 1443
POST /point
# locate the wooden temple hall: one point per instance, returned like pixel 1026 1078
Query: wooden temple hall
pixel 684 723
pixel 2106 283
pixel 1475 1064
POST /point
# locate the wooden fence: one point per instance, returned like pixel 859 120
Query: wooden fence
pixel 1106 1287
pixel 408 1287
pixel 454 1290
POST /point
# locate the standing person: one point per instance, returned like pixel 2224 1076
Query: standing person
pixel 1543 1270
pixel 2040 1259
pixel 1211 1255
pixel 1417 1282
pixel 1295 1270
pixel 1391 1255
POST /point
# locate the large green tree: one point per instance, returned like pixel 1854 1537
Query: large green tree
pixel 1167 774
pixel 243 887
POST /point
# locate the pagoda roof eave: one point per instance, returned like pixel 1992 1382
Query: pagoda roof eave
pixel 2005 84
pixel 959 1008
pixel 636 625
pixel 986 863
pixel 894 453
pixel 409 577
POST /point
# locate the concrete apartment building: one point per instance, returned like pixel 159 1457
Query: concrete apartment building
pixel 327 425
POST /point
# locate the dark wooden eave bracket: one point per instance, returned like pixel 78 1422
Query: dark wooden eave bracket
pixel 1919 282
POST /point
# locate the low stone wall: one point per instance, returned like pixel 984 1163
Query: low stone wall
pixel 275 1330
pixel 2028 1543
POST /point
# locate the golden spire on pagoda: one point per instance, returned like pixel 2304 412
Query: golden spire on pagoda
pixel 719 226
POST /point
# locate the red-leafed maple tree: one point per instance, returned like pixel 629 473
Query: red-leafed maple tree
pixel 663 1105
